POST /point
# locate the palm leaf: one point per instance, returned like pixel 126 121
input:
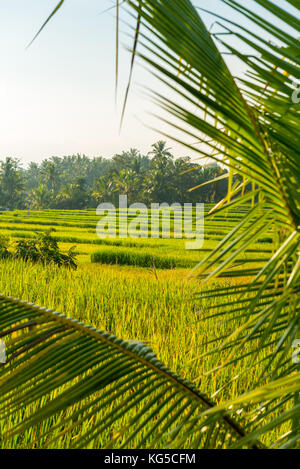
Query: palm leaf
pixel 58 6
pixel 251 125
pixel 112 387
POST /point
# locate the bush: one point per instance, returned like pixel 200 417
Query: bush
pixel 46 250
pixel 4 253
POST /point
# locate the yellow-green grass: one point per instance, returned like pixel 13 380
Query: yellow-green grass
pixel 146 304
pixel 79 228
pixel 136 304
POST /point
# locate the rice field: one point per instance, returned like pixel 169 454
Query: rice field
pixel 137 289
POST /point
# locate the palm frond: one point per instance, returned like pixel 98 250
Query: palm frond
pixel 58 6
pixel 117 390
pixel 249 124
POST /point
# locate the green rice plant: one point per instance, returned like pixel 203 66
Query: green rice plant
pixel 133 257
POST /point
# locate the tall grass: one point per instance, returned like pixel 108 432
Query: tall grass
pixel 137 304
pixel 140 296
pixel 129 256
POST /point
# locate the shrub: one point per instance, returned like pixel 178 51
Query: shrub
pixel 46 250
pixel 27 250
pixel 4 253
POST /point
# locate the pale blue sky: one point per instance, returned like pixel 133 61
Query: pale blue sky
pixel 57 97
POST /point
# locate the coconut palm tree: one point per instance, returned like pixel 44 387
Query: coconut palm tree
pixel 40 197
pixel 11 183
pixel 160 150
pixel 250 124
pixel 126 182
pixel 50 175
pixel 104 189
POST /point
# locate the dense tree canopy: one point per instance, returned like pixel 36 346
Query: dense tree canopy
pixel 78 182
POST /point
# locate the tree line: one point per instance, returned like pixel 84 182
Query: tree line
pixel 79 182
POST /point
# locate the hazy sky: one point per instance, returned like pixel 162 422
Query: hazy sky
pixel 57 97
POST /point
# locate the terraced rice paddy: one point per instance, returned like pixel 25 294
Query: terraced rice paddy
pixel 136 300
pixel 79 228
